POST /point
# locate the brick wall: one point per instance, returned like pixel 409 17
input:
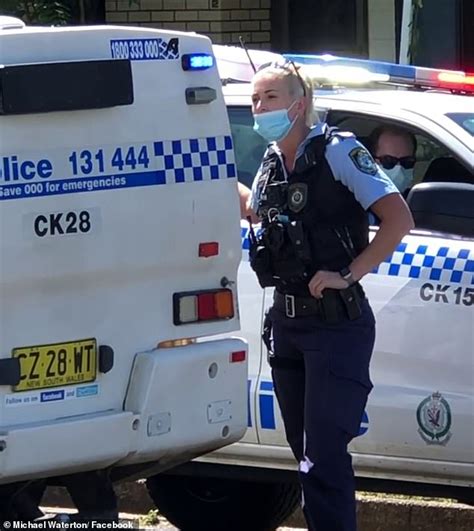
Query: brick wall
pixel 222 20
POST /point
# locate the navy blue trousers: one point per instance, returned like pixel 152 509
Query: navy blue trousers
pixel 321 379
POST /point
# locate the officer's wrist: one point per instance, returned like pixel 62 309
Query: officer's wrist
pixel 347 275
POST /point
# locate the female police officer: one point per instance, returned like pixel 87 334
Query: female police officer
pixel 311 194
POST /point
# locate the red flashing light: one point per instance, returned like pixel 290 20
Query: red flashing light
pixel 455 78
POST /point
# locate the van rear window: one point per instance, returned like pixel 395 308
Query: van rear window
pixel 76 85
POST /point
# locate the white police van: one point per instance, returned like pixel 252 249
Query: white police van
pixel 417 433
pixel 120 247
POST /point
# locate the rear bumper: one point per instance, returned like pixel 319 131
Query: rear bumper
pixel 180 402
pixel 188 398
pixel 65 446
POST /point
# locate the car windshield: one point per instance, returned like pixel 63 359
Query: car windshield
pixel 464 119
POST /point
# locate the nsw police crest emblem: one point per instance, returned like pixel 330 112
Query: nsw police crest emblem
pixel 363 160
pixel 297 196
pixel 434 419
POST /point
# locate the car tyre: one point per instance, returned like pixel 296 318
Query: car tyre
pixel 214 504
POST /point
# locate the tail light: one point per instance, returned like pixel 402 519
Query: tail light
pixel 200 306
pixel 207 249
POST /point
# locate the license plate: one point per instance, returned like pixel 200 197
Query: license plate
pixel 56 365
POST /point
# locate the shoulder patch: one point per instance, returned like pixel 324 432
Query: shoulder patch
pixel 363 160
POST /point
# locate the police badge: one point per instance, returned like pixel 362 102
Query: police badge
pixel 363 160
pixel 297 196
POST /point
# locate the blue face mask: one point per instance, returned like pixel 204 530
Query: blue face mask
pixel 274 125
pixel 400 177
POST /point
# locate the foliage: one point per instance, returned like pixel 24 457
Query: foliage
pixel 9 7
pixel 417 6
pixel 56 12
pixel 44 11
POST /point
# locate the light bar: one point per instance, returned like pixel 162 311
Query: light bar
pixel 348 70
pixel 350 75
pixel 395 72
pixel 197 61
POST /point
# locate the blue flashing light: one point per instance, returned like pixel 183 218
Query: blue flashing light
pixel 394 71
pixel 197 61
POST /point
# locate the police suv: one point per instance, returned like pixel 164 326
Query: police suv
pixel 120 247
pixel 417 433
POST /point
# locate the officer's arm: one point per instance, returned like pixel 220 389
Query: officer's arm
pixel 395 221
pixel 245 195
pixel 355 168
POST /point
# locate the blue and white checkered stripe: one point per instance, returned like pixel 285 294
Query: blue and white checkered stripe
pixel 167 51
pixel 195 159
pixel 434 261
pixel 431 262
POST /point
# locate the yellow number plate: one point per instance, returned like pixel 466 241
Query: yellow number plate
pixel 56 365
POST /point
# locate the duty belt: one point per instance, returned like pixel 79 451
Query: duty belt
pixel 335 305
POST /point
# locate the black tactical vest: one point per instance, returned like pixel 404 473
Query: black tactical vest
pixel 310 222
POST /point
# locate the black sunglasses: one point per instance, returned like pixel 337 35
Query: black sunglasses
pixel 388 162
pixel 287 65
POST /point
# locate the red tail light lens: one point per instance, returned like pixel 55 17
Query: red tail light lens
pixel 206 307
pixel 208 249
pixel 238 357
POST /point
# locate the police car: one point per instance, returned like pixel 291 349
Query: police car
pixel 115 278
pixel 417 432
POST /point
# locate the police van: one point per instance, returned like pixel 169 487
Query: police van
pixel 417 433
pixel 120 246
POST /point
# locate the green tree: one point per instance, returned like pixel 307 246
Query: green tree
pixel 417 6
pixel 44 12
pixel 57 12
pixel 9 7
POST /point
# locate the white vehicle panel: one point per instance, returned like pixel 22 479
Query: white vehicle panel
pixel 103 213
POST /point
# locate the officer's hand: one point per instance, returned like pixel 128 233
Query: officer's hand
pixel 326 279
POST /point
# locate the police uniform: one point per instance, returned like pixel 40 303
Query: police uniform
pixel 315 218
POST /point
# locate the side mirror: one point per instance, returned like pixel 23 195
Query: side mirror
pixel 443 207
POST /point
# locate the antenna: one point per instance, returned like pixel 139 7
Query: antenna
pixel 242 43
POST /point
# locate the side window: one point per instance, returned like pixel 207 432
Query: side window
pixel 434 161
pixel 445 207
pixel 248 145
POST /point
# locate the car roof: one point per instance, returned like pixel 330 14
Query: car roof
pixel 439 102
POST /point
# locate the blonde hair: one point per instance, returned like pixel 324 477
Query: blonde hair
pixel 295 79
